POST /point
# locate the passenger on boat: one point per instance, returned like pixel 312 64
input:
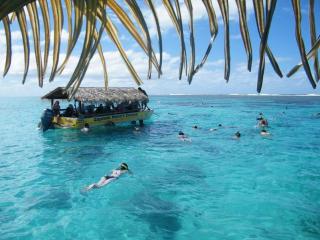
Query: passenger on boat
pixel 90 109
pixel 99 109
pixel 144 104
pixel 115 174
pixel 135 105
pixel 107 108
pixel 56 109
pixel 86 128
pixel 120 107
pixel 69 112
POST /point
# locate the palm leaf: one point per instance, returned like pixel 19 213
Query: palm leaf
pixel 91 12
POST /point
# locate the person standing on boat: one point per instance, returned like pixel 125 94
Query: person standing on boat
pixel 56 108
pixel 144 102
pixel 115 174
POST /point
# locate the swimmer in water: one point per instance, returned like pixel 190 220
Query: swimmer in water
pixel 86 128
pixel 237 135
pixel 263 123
pixel 181 134
pixel 183 137
pixel 264 132
pixel 195 127
pixel 136 130
pixel 115 174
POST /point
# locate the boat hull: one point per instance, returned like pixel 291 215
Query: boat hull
pixel 66 122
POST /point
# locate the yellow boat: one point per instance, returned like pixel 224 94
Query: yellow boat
pixel 95 107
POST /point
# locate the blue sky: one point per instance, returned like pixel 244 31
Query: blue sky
pixel 210 78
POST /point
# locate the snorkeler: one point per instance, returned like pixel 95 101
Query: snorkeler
pixel 115 174
pixel 237 135
pixel 263 123
pixel 137 129
pixel 264 132
pixel 86 128
pixel 183 137
pixel 260 117
pixel 181 134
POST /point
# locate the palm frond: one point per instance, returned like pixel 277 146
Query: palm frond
pixel 91 13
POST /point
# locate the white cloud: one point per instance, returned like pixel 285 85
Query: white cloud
pixel 199 12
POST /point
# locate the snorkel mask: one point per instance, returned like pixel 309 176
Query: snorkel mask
pixel 124 166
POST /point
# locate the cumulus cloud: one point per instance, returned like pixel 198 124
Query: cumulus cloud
pixel 199 14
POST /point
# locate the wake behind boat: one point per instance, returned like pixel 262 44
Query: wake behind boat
pixel 94 106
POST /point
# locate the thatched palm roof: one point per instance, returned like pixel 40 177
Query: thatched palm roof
pixel 99 94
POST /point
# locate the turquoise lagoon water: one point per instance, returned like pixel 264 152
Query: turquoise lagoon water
pixel 214 187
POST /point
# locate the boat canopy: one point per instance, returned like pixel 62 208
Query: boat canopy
pixel 100 94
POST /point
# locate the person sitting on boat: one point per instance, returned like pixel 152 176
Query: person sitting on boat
pixel 86 128
pixel 135 105
pixel 56 108
pixel 69 112
pixel 115 174
pixel 99 109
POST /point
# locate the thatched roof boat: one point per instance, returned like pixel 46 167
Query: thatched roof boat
pixel 100 94
pixel 95 106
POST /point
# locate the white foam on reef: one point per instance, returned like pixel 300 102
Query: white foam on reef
pixel 276 94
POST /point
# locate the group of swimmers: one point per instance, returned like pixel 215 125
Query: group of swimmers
pixel 123 168
pixel 263 124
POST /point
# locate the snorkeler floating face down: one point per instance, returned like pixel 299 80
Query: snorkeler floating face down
pixel 237 134
pixel 115 174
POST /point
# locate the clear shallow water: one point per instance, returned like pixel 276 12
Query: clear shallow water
pixel 211 188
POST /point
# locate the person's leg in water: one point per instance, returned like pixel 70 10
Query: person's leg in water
pixel 103 181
